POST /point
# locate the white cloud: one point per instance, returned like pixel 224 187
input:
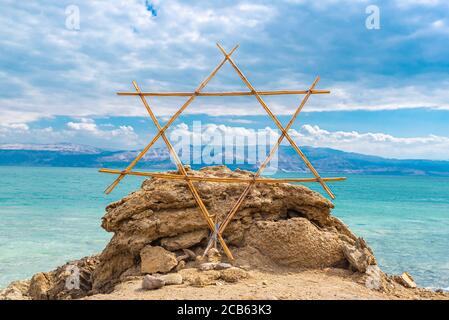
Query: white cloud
pixel 16 126
pixel 83 131
pixel 412 3
pixel 87 131
pixel 211 133
pixel 76 73
pixel 242 121
pixel 84 125
pixel 89 127
pixel 50 70
pixel 379 144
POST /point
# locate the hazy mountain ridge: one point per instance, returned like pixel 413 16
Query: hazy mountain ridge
pixel 59 147
pixel 323 159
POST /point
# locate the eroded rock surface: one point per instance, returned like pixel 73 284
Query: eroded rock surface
pixel 289 225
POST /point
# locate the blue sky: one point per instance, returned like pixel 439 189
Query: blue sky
pixel 389 85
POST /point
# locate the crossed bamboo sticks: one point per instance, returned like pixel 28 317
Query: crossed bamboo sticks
pixel 216 179
pixel 217 228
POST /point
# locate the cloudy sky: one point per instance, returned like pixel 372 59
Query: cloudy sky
pixel 389 86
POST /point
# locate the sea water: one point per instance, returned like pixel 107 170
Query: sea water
pixel 49 216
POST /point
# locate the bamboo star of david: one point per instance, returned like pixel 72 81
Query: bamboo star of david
pixel 217 228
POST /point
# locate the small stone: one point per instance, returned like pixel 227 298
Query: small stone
pixel 207 266
pixel 374 278
pixel 359 255
pixel 213 255
pixel 152 283
pixel 264 283
pixel 195 277
pixel 205 278
pixel 171 278
pixel 356 258
pixel 181 265
pixel 157 259
pixel 222 266
pixel 405 280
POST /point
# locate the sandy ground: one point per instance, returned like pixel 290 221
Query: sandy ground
pixel 311 284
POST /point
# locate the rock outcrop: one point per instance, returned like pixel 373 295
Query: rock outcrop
pixel 159 229
pixel 283 224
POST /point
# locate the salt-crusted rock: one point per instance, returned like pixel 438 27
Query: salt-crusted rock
pixel 184 240
pixel 359 255
pixel 70 281
pixel 296 242
pixel 374 278
pixel 157 259
pixel 171 278
pixel 405 280
pixel 152 283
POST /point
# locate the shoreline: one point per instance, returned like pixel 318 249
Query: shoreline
pixel 268 284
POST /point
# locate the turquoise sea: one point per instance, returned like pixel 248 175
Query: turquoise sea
pixel 51 215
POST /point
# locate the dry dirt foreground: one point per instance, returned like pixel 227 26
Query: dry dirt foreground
pixel 328 284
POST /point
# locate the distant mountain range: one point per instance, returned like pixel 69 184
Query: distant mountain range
pixel 323 159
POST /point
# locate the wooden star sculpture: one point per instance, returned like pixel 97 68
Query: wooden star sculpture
pixel 217 228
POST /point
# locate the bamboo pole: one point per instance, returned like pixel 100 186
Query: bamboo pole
pixel 242 197
pixel 169 123
pixel 170 176
pixel 236 206
pixel 278 124
pixel 223 94
pixel 182 170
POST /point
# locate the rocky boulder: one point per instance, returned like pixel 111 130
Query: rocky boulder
pixel 282 224
pixel 157 259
